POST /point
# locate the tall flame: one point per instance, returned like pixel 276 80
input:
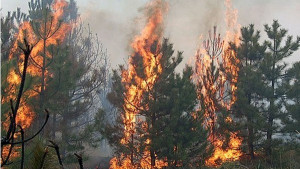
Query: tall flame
pixel 217 89
pixel 142 49
pixel 25 114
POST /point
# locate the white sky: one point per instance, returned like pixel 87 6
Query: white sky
pixel 114 20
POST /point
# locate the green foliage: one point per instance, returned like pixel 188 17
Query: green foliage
pixel 292 88
pixel 180 135
pixel 266 94
pixel 38 151
pixel 273 68
pixel 173 125
pixel 250 88
pixel 75 71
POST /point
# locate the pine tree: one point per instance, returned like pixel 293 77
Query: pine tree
pixel 209 81
pixel 167 125
pixel 73 70
pixel 250 53
pixel 78 72
pixel 273 68
pixel 44 28
pixel 180 138
pixel 9 26
pixel 292 120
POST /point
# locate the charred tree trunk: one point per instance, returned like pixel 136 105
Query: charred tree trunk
pixel 132 151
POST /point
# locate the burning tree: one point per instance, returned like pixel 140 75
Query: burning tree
pixel 49 29
pixel 9 26
pixel 143 71
pixel 79 73
pixel 13 76
pixel 157 125
pixel 214 91
pixel 65 69
pixel 216 73
pixel 11 137
pixel 43 32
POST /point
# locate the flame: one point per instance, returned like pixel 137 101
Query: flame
pixel 26 31
pixel 141 46
pixel 217 91
pixel 231 153
pixel 25 114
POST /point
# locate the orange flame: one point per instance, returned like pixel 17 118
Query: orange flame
pixel 231 153
pixel 25 114
pixel 214 92
pixel 141 46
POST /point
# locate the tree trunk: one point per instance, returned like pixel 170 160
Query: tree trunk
pixel 152 152
pixel 269 130
pixel 64 132
pixel 132 155
pixel 250 130
pixel 272 107
pixel 250 141
pixel 152 155
pixel 53 126
pixel 42 89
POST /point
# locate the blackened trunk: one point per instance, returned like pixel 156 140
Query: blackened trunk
pixel 152 155
pixel 132 152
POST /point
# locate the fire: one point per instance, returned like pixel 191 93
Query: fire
pixel 232 153
pixel 141 45
pixel 25 114
pixel 217 89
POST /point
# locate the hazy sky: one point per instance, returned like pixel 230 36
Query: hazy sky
pixel 115 20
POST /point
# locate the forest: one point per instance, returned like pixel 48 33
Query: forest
pixel 234 105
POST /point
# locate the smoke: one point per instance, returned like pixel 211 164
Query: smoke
pixel 185 21
pixel 116 22
pixel 189 20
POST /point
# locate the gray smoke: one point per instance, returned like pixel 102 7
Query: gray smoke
pixel 116 22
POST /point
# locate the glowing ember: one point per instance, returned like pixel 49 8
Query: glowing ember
pixel 217 88
pixel 141 46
